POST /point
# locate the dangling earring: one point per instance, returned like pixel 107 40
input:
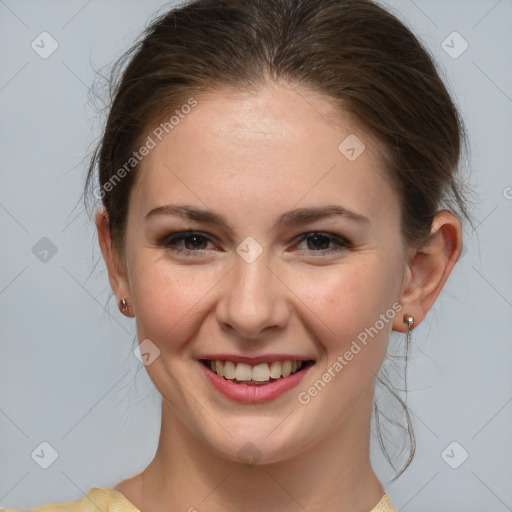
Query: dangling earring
pixel 409 320
pixel 124 307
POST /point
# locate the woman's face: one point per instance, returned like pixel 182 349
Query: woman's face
pixel 256 287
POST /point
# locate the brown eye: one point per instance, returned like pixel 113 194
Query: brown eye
pixel 193 242
pixel 319 242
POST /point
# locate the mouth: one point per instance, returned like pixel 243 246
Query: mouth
pixel 256 375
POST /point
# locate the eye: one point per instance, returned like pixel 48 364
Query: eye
pixel 319 241
pixel 197 242
pixel 194 242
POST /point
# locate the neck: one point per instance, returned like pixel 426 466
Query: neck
pixel 332 475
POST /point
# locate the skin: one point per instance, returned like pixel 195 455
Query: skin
pixel 251 156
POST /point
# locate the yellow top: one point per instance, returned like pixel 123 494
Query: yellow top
pixel 108 500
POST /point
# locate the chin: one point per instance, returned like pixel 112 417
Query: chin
pixel 254 446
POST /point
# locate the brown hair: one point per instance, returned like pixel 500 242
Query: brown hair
pixel 355 52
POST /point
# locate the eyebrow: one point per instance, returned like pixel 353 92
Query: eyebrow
pixel 293 217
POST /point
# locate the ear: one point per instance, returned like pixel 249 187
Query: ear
pixel 117 274
pixel 429 267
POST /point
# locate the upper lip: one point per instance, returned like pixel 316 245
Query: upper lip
pixel 267 358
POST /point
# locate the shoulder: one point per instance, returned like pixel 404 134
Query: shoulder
pixel 96 500
pixel 384 505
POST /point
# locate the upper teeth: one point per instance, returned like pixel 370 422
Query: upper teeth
pixel 259 373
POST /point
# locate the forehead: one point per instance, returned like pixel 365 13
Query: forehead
pixel 264 150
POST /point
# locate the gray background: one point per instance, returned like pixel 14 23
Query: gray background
pixel 68 376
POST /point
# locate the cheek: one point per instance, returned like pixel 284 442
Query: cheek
pixel 168 299
pixel 346 299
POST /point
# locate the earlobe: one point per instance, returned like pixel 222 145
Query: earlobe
pixel 126 308
pixel 115 267
pixel 429 267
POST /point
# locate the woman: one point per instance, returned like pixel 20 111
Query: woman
pixel 279 193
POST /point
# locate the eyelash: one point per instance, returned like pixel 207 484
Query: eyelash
pixel 167 241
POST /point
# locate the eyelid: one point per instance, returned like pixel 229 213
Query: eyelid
pixel 166 240
pixel 341 243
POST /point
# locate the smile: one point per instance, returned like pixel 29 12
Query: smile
pixel 254 374
pixel 254 383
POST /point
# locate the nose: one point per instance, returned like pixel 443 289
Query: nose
pixel 255 301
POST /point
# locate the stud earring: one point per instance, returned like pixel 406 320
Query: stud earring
pixel 124 307
pixel 409 320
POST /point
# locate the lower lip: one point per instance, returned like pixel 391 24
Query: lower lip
pixel 257 393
